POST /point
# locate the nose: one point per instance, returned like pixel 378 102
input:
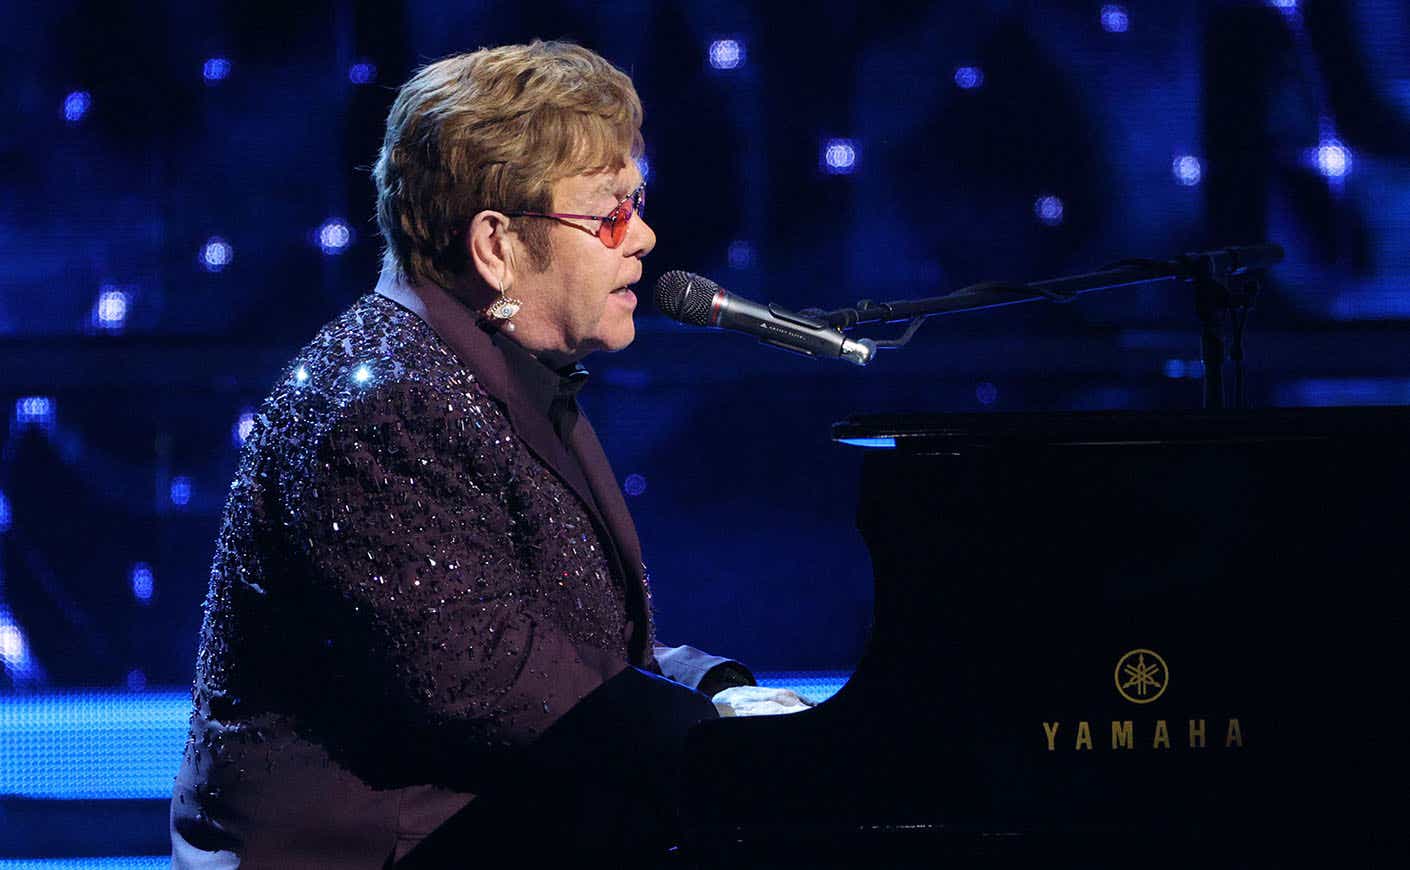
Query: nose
pixel 641 238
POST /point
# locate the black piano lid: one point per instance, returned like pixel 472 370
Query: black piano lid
pixel 1019 559
pixel 1075 428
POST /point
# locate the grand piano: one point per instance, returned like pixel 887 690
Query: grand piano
pixel 1099 639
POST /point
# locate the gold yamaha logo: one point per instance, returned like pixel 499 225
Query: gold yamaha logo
pixel 1141 676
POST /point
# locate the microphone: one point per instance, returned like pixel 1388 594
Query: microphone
pixel 698 301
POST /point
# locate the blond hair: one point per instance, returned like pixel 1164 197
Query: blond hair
pixel 495 129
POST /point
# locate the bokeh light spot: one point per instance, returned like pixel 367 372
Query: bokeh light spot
pixel 1115 18
pixel 839 156
pixel 362 73
pixel 216 254
pixel 215 69
pixel 110 311
pixel 1333 159
pixel 334 236
pixel 76 106
pixel 1187 169
pixel 244 425
pixel 1049 209
pixel 741 254
pixel 143 582
pixel 34 411
pixel 969 77
pixel 727 54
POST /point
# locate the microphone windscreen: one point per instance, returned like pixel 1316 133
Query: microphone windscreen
pixel 686 297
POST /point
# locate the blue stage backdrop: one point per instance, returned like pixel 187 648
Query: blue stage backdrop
pixel 186 199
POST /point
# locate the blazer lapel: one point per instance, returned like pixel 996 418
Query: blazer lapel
pixel 609 495
pixel 619 525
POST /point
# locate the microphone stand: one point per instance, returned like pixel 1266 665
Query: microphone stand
pixel 1225 284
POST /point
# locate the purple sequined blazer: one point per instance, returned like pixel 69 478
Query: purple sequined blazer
pixel 410 580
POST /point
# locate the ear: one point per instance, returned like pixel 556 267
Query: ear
pixel 490 245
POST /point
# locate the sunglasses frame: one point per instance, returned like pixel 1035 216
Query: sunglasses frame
pixel 633 203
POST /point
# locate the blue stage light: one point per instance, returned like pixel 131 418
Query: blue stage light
pixel 4 514
pixel 34 411
pixel 143 583
pixel 1048 209
pixel 1331 392
pixel 741 254
pixel 839 156
pixel 334 236
pixel 883 442
pixel 125 862
pixel 180 491
pixel 1187 169
pixel 969 77
pixel 362 374
pixel 244 425
pixel 216 254
pixel 362 73
pixel 1371 305
pixel 110 311
pixel 91 745
pixel 1283 4
pixel 727 54
pixel 14 649
pixel 130 862
pixel 1333 159
pixel 1115 19
pixel 816 686
pixel 216 69
pixel 76 105
pixel 635 484
pixel 1183 368
pixel 643 166
pixel 301 375
pixel 986 393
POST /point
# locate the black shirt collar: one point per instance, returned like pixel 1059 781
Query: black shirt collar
pixel 552 392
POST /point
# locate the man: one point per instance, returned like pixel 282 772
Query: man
pixel 428 632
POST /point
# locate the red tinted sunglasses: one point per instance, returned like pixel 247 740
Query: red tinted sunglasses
pixel 612 230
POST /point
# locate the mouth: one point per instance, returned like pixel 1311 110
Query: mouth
pixel 625 290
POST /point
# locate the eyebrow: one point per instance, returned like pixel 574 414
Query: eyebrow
pixel 609 187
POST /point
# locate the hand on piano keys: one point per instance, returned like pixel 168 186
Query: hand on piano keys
pixel 758 701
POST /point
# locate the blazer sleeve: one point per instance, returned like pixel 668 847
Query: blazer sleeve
pixel 406 535
pixel 700 670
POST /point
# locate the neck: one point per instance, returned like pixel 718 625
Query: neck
pixel 527 333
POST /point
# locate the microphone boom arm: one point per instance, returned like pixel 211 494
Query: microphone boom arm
pixel 1220 277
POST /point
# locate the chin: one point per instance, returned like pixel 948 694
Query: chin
pixel 619 337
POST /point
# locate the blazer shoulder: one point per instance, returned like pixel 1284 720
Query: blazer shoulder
pixel 375 361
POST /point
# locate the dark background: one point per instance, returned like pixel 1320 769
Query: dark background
pixel 179 164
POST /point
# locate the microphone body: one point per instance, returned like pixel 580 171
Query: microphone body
pixel 698 301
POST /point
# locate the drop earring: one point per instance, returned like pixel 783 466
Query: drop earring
pixel 503 308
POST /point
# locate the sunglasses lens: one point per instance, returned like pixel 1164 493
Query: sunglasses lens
pixel 613 231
